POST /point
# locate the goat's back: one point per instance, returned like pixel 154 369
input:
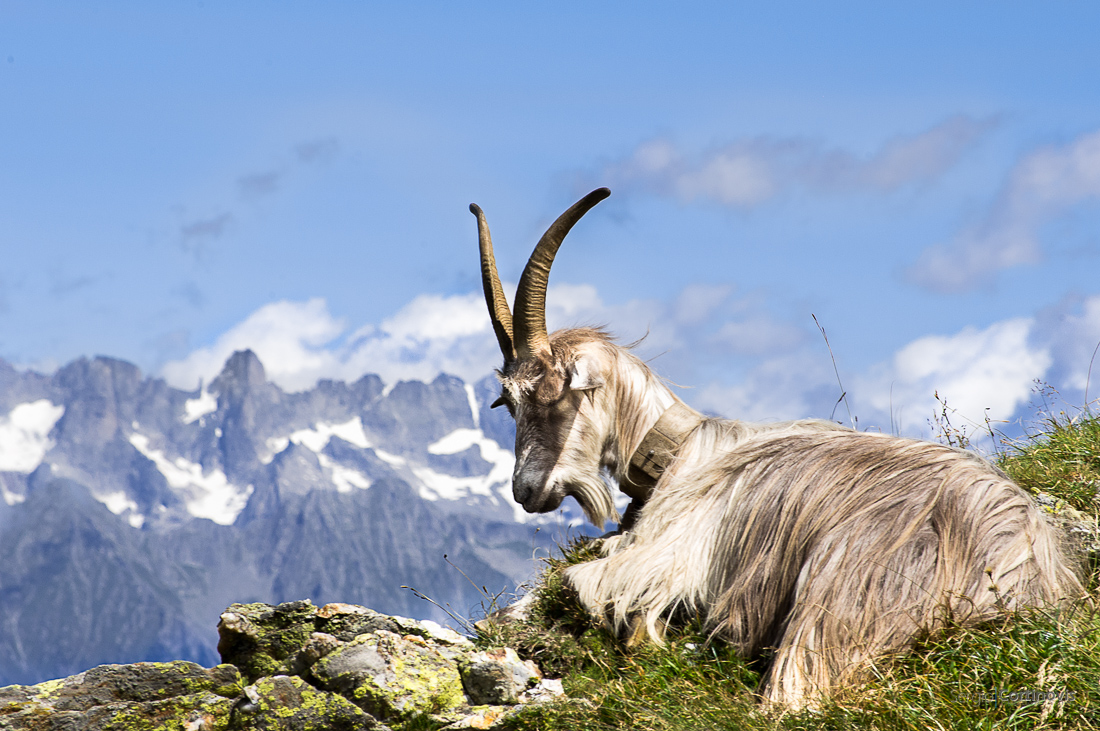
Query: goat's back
pixel 831 546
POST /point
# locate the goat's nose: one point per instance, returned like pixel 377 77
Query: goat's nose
pixel 523 487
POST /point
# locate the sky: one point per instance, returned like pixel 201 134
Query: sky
pixel 182 180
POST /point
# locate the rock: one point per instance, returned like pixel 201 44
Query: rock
pixel 176 696
pixel 496 677
pixel 261 639
pixel 428 629
pixel 317 646
pixel 517 611
pixel 347 621
pixel 291 704
pixel 482 718
pixel 395 677
pixel 546 690
pixel 1084 529
pixel 112 696
pixel 295 671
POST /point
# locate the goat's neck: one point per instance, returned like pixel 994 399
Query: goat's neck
pixel 640 400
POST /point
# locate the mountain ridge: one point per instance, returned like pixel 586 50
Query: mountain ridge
pixel 134 512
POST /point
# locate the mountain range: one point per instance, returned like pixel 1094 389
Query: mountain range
pixel 133 513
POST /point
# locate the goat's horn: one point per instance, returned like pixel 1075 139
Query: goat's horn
pixel 494 294
pixel 530 325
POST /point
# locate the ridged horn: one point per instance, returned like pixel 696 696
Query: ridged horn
pixel 499 313
pixel 530 334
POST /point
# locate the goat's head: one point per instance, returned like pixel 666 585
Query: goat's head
pixel 551 384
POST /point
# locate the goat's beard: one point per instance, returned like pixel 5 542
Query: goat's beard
pixel 594 495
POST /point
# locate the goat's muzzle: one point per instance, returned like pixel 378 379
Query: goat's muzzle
pixel 530 491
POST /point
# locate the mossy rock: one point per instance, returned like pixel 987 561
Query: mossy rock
pixel 153 696
pixel 345 622
pixel 396 678
pixel 285 703
pixel 260 639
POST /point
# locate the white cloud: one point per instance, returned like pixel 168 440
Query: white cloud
pixel 288 337
pixel 742 361
pixel 747 173
pixel 976 371
pixel 908 159
pixel 1042 185
pixel 759 336
pixel 697 301
pixel 792 386
pixel 302 342
pixel 1071 330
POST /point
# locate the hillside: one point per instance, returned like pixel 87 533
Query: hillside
pixel 963 678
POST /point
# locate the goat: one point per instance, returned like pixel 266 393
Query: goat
pixel 826 546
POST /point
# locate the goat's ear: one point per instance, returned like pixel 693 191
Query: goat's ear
pixel 584 374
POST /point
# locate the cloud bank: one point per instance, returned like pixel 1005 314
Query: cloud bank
pixel 736 358
pixel 1043 184
pixel 302 342
pixel 977 372
pixel 747 173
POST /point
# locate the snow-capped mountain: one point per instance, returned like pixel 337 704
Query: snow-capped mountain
pixel 132 513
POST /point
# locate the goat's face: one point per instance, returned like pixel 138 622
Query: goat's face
pixel 561 425
pixel 552 387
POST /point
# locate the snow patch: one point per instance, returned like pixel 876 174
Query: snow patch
pixel 457 441
pixel 317 438
pixel 196 408
pixel 473 404
pixel 117 502
pixel 25 435
pixel 346 479
pixel 390 459
pixel 120 504
pixel 206 496
pixel 438 486
pixel 274 446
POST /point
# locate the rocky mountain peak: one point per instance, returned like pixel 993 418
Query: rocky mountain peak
pixel 242 372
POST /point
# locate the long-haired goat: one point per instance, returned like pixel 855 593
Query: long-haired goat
pixel 830 547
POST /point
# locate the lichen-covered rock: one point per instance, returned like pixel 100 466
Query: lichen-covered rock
pixel 139 696
pixel 396 677
pixel 430 630
pixel 486 717
pixel 317 646
pixel 1084 529
pixel 283 703
pixel 295 668
pixel 498 676
pixel 544 691
pixel 261 639
pixel 176 696
pixel 345 622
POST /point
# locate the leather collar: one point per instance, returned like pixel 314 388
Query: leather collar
pixel 657 450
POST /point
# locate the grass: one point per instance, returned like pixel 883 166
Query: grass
pixel 961 678
pixel 1061 459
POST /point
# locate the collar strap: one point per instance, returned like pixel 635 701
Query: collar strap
pixel 657 450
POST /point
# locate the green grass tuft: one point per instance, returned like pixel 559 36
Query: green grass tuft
pixel 1062 460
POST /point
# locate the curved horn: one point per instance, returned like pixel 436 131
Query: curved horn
pixel 530 325
pixel 494 294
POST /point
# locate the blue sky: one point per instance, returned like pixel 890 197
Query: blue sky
pixel 178 180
